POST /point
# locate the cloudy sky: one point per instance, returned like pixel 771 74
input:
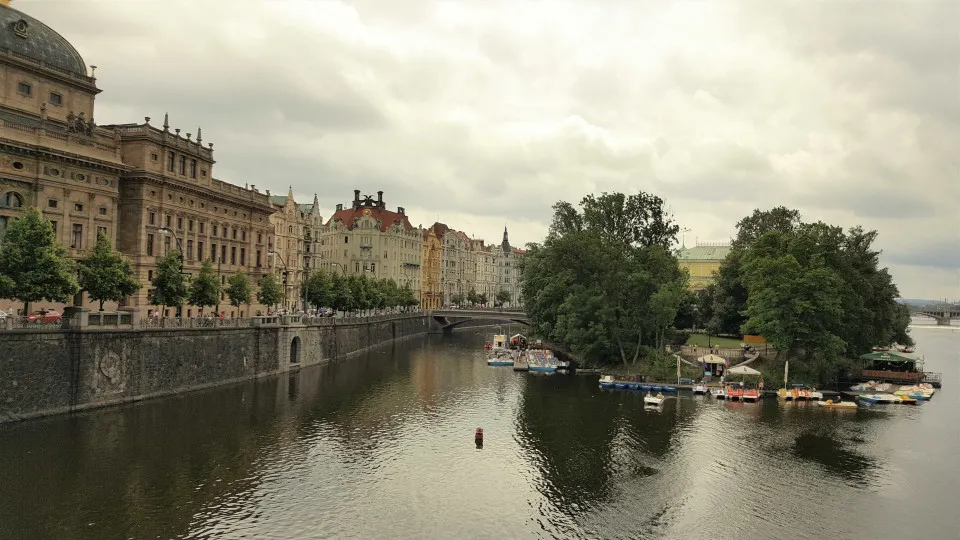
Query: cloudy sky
pixel 484 113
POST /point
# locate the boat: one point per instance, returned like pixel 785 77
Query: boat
pixel 879 398
pixel 499 361
pixel 906 400
pixel 520 362
pixel 750 394
pixel 543 361
pixel 718 393
pixel 653 400
pixel 498 354
pixel 734 393
pixel 700 389
pixel 668 388
pixel 837 404
pixel 607 382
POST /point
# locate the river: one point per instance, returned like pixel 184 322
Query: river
pixel 382 446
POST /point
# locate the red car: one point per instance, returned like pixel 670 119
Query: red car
pixel 44 316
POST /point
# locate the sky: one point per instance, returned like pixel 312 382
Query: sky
pixel 484 114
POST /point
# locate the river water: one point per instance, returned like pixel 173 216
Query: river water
pixel 381 446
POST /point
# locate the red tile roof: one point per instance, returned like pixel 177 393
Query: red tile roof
pixel 386 217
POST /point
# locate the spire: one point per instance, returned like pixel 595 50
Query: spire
pixel 505 245
pixel 199 135
pixel 166 121
pixel 316 204
pixel 290 193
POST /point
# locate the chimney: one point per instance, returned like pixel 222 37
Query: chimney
pixel 356 198
pixel 380 200
pixel 339 207
pixel 400 210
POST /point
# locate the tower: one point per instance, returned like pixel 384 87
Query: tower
pixel 505 245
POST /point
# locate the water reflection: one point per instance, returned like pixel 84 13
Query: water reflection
pixel 378 446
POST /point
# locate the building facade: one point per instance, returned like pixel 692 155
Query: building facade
pixel 431 292
pixel 53 156
pixel 366 238
pixel 702 262
pixel 471 265
pixel 292 256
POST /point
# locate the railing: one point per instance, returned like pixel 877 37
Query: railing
pixel 12 322
pixel 205 322
pixel 109 319
pixel 894 376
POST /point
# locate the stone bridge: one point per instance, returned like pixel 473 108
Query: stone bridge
pixel 943 318
pixel 444 321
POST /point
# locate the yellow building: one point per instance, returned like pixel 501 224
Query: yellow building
pixel 703 262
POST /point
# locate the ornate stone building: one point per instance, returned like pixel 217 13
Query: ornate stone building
pixel 366 238
pixel 431 293
pixel 296 251
pixel 468 264
pixel 703 262
pixel 170 199
pixel 149 189
pixel 53 156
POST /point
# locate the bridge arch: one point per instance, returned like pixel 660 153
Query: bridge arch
pixel 295 350
pixel 497 319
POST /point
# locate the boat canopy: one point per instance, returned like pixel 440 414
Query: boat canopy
pixel 712 359
pixel 742 370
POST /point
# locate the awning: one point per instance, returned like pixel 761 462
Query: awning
pixel 891 356
pixel 742 370
pixel 711 359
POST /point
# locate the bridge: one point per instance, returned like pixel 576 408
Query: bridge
pixel 445 320
pixel 943 318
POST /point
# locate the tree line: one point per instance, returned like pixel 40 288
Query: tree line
pixel 606 282
pixel 474 298
pixel 34 267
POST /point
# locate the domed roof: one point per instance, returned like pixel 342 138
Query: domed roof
pixel 23 35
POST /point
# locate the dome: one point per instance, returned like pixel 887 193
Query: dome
pixel 23 35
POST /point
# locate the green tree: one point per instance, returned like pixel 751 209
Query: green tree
pixel 472 296
pixel 482 299
pixel 33 266
pixel 205 288
pixel 503 296
pixel 105 274
pixel 342 299
pixel 271 291
pixel 169 283
pixel 238 290
pixel 318 288
pixel 458 299
pixel 407 297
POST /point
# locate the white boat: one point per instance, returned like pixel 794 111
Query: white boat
pixel 879 398
pixel 837 404
pixel 700 389
pixel 653 400
pixel 718 393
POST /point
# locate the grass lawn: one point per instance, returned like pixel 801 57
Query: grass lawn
pixel 700 340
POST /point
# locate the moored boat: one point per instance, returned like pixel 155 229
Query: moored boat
pixel 750 394
pixel 879 398
pixel 542 360
pixel 837 404
pixel 653 400
pixel 607 381
pixel 700 389
pixel 718 393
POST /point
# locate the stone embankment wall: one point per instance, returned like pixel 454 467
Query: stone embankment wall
pixel 51 371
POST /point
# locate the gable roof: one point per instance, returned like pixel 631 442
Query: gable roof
pixel 704 253
pixel 386 217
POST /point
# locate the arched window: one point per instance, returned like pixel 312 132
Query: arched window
pixel 11 200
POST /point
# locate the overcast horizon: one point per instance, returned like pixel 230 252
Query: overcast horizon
pixel 484 114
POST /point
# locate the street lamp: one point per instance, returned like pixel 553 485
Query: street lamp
pixel 286 272
pixel 165 231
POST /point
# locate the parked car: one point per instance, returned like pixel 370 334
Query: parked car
pixel 44 316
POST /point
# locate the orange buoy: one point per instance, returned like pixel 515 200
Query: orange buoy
pixel 478 436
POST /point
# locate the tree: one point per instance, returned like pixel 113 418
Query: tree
pixel 169 283
pixel 238 289
pixel 482 299
pixel 105 274
pixel 205 289
pixel 318 288
pixel 341 293
pixel 33 266
pixel 271 291
pixel 472 296
pixel 458 299
pixel 503 296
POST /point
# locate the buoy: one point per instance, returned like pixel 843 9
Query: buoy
pixel 478 436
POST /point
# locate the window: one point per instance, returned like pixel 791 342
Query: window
pixel 168 220
pixel 52 203
pixel 154 157
pixel 201 227
pixel 224 229
pixel 259 258
pixel 53 225
pixel 213 252
pixel 259 238
pixel 200 250
pixel 223 253
pixel 346 239
pixel 203 172
pixel 166 244
pixel 214 231
pixel 234 234
pixel 101 230
pixel 171 160
pixel 190 225
pixel 102 210
pixel 149 275
pixel 150 245
pixel 25 89
pixel 76 239
pixel 357 267
pixel 243 256
pixel 11 200
pixel 152 218
pixel 56 99
pixel 78 207
pixel 384 254
pixel 190 250
pixel 373 267
pixel 233 255
pixel 243 235
pixel 179 223
pixel 183 165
